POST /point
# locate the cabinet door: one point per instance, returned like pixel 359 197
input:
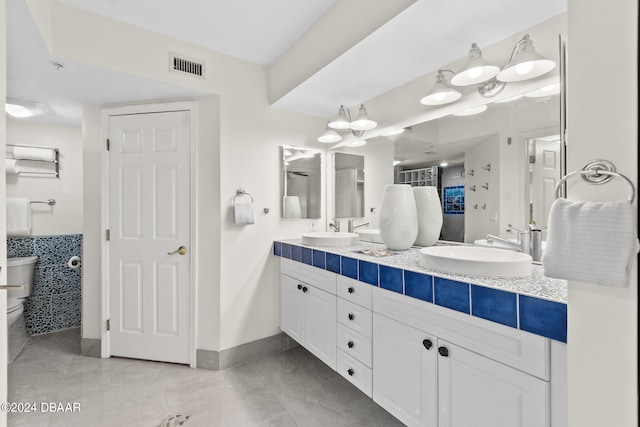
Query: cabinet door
pixel 320 324
pixel 476 391
pixel 290 308
pixel 405 372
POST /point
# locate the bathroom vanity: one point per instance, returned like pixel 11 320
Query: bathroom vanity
pixel 432 349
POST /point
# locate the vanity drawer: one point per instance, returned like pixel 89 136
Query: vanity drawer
pixel 355 317
pixel 321 279
pixel 355 372
pixel 354 344
pixel 355 291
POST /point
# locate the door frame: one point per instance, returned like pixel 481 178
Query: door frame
pixel 106 113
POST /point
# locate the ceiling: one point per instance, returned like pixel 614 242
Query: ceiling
pixel 417 41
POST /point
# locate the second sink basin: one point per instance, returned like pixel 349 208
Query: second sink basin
pixel 476 261
pixel 330 238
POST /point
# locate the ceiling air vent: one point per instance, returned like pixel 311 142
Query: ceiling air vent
pixel 182 64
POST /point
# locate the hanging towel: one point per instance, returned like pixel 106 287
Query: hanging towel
pixel 590 242
pixel 291 207
pixel 18 217
pixel 34 153
pixel 12 166
pixel 243 211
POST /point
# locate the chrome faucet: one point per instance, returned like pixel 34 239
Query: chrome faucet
pixel 335 225
pixel 351 227
pixel 529 241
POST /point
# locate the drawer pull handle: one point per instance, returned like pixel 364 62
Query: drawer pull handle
pixel 350 371
pixel 350 344
pixel 444 351
pixel 351 290
pixel 427 344
pixel 351 316
pixel 304 289
pixel 299 286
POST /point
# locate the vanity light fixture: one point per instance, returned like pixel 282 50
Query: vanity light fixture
pixel 525 63
pixel 441 93
pixel 343 121
pixel 471 111
pixel 476 70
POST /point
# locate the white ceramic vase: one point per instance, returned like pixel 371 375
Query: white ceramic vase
pixel 398 217
pixel 429 212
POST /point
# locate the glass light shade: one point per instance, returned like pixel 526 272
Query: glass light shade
pixel 526 64
pixel 471 111
pixel 475 70
pixel 19 111
pixel 363 121
pixel 441 93
pixel 340 120
pixel 329 136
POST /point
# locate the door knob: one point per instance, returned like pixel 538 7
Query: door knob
pixel 181 250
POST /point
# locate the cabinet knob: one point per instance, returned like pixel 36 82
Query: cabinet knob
pixel 351 290
pixel 304 289
pixel 351 316
pixel 427 344
pixel 299 286
pixel 444 351
pixel 350 344
pixel 350 371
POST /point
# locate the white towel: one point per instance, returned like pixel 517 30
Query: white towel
pixel 18 217
pixel 291 207
pixel 590 242
pixel 12 165
pixel 243 211
pixel 34 153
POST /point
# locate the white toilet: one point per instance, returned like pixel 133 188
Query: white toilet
pixel 19 272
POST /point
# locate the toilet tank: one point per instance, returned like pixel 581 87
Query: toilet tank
pixel 20 272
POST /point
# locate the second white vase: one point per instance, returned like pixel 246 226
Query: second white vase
pixel 429 212
pixel 398 217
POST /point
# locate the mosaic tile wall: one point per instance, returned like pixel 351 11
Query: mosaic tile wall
pixel 55 300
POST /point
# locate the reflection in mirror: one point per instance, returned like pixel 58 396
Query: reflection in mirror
pixel 349 185
pixel 301 182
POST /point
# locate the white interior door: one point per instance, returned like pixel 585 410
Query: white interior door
pixel 546 174
pixel 149 220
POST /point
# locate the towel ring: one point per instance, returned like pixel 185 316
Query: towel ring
pixel 597 172
pixel 240 193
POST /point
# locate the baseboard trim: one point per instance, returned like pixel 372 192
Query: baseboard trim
pixel 244 353
pixel 91 347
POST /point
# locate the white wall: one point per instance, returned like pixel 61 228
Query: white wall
pixel 65 217
pixel 3 220
pixel 602 123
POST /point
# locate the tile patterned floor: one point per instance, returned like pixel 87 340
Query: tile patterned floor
pixel 292 388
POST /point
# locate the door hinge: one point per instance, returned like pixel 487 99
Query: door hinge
pixel 108 324
pixel 108 235
pixel 108 144
pixel 532 159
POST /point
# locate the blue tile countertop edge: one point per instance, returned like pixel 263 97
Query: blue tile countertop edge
pixel 535 304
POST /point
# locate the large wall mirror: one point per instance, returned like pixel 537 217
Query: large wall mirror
pixel 301 169
pixel 494 170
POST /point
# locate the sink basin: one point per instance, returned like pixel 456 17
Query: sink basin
pixel 476 261
pixel 369 234
pixel 330 238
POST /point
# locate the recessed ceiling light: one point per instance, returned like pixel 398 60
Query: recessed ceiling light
pixel 18 111
pixel 444 164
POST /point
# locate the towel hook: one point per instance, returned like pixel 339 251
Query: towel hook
pixel 597 172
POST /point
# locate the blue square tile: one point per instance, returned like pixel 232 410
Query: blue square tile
pixel 452 294
pixel 495 305
pixel 349 267
pixel 542 317
pixel 277 248
pixel 286 250
pixel 306 255
pixel 418 285
pixel 333 263
pixel 368 272
pixel 296 253
pixel 319 259
pixel 391 279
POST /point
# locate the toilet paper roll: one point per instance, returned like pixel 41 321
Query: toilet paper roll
pixel 74 262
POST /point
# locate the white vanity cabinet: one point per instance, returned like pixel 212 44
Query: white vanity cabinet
pixel 432 369
pixel 308 308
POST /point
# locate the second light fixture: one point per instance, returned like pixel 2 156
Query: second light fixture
pixel 343 121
